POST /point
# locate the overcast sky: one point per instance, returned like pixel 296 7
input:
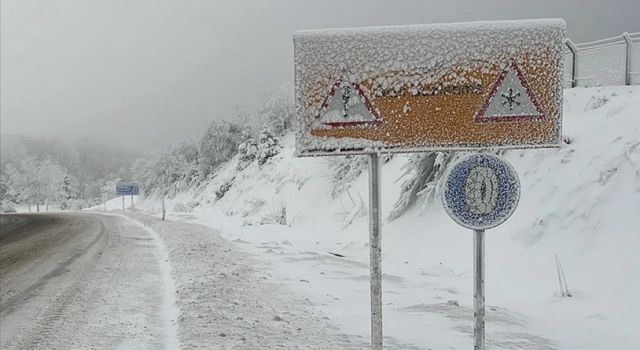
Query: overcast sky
pixel 142 73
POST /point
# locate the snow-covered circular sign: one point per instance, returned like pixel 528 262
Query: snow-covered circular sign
pixel 480 191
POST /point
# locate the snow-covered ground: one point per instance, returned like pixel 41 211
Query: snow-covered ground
pixel 579 203
pixel 227 301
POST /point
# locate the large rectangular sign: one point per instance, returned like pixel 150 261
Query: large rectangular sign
pixel 429 87
pixel 127 188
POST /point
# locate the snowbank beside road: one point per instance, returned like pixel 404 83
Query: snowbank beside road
pixel 579 202
pixel 226 302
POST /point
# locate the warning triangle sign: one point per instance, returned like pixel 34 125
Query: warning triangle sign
pixel 510 99
pixel 347 105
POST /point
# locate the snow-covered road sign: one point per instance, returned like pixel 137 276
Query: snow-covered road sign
pixel 480 191
pixel 429 87
pixel 127 188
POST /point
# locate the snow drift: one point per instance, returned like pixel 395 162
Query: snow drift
pixel 579 207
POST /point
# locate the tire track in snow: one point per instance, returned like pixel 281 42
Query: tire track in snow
pixel 114 296
pixel 8 305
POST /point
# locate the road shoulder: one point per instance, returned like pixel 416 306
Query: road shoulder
pixel 226 302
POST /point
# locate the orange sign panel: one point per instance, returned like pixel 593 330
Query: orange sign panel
pixel 429 87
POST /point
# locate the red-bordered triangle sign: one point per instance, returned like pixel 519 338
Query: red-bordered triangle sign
pixel 510 99
pixel 347 105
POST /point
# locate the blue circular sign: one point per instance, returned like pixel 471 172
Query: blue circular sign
pixel 480 191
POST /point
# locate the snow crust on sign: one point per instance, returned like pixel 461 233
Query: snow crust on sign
pixel 480 191
pixel 579 202
pixel 393 59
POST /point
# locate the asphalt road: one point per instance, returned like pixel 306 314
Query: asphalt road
pixel 77 281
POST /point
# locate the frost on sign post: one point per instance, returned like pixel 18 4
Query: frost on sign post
pixel 466 86
pixel 429 87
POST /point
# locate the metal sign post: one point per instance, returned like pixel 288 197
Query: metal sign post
pixel 480 191
pixel 375 251
pixel 478 289
pixel 163 208
pixel 122 202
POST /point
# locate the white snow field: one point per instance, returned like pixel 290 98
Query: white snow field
pixel 580 203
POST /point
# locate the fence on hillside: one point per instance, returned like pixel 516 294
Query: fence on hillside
pixel 611 61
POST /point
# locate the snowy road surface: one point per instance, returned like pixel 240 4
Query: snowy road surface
pixel 81 281
pixel 77 281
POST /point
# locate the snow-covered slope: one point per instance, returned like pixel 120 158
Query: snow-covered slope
pixel 580 203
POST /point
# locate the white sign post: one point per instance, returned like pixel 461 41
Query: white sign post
pixel 163 207
pixel 375 250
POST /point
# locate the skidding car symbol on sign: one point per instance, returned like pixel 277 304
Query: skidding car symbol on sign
pixel 347 105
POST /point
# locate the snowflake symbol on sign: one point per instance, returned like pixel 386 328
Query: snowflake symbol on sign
pixel 511 98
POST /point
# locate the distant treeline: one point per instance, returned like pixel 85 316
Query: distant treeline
pixel 41 171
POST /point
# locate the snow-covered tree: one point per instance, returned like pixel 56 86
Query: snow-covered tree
pixel 279 111
pixel 68 192
pixel 22 184
pixel 218 144
pixel 268 146
pixel 7 205
pixel 4 189
pixel 49 178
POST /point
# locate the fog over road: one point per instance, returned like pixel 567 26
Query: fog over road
pixel 75 281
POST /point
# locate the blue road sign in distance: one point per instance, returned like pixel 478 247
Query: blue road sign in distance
pixel 127 188
pixel 480 191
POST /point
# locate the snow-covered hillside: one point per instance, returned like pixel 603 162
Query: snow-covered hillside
pixel 580 203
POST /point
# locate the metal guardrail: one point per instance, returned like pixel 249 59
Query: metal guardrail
pixel 610 61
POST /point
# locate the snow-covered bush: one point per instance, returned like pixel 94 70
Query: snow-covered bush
pixel 7 207
pixel 180 208
pixel 267 146
pixel 345 170
pixel 220 192
pixel 278 214
pixel 247 150
pixel 596 102
pixel 423 172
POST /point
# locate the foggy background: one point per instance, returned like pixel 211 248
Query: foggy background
pixel 141 74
